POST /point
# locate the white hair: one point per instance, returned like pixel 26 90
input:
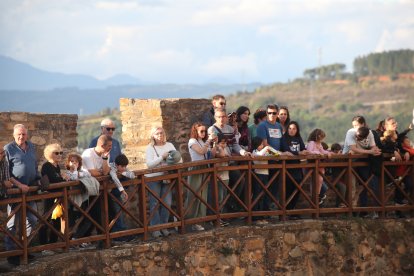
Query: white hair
pixel 106 122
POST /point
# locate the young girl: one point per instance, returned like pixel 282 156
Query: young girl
pixel 292 142
pixel 222 151
pixel 262 174
pixel 74 167
pixel 315 147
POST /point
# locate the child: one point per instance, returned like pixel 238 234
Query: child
pixel 314 146
pixel 400 171
pixel 119 171
pixel 74 167
pixel 336 171
pixel 222 151
pixel 389 142
pixel 262 174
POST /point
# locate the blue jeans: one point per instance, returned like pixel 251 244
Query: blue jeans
pixel 162 214
pixel 114 209
pixel 11 224
pixel 365 173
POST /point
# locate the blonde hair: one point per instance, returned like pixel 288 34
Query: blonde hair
pixel 49 149
pixel 153 130
pixel 389 135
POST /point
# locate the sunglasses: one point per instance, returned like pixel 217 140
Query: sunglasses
pixel 203 131
pixel 58 152
pixel 222 103
pixel 273 113
pixel 110 128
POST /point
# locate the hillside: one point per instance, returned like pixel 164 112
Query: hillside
pixel 331 107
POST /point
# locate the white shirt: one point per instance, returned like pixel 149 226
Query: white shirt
pixel 114 176
pixel 194 155
pixel 153 157
pixel 258 162
pixel 92 161
pixel 350 140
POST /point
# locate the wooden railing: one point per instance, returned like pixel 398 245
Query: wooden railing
pixel 239 191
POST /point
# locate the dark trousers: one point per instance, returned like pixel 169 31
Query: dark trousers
pixel 261 205
pixel 47 235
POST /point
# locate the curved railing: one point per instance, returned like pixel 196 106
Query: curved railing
pixel 239 194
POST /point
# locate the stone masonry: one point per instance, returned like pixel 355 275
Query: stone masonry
pixel 175 115
pixel 43 129
pixel 308 247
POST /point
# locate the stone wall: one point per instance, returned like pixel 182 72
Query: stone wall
pixel 175 115
pixel 335 247
pixel 43 129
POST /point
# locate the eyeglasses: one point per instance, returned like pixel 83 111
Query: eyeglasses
pixel 272 113
pixel 110 128
pixel 58 152
pixel 203 131
pixel 222 103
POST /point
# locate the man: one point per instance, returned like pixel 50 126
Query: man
pixel 218 101
pixel 271 132
pixel 96 161
pixel 360 140
pixel 220 126
pixel 21 155
pixel 108 128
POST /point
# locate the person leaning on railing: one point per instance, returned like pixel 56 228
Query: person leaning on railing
pixel 21 155
pixel 53 154
pixel 198 147
pixel 155 156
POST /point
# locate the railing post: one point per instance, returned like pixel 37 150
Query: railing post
pixel 382 190
pixel 66 218
pixel 249 192
pixel 106 214
pixel 315 195
pixel 283 188
pixel 180 201
pixel 215 195
pixel 23 228
pixel 349 187
pixel 142 205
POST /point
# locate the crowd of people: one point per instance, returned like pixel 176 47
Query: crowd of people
pixel 220 134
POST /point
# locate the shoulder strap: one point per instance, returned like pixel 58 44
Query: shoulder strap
pixel 219 130
pixel 155 151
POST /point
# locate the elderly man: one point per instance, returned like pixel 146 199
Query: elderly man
pixel 108 128
pixel 21 155
pixel 218 101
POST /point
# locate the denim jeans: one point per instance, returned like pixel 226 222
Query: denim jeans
pixel 114 209
pixel 364 173
pixel 162 214
pixel 11 224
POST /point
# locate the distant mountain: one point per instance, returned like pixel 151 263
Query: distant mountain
pixel 122 79
pixel 16 75
pixel 26 88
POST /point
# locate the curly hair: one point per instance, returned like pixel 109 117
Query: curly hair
pixel 316 135
pixel 259 115
pixel 77 157
pixel 194 132
pixel 50 149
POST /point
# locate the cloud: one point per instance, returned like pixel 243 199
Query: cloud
pixel 232 65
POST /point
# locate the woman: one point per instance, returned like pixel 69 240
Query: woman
pixel 242 118
pixel 156 155
pixel 293 142
pixel 198 146
pixel 258 116
pixel 283 118
pixel 53 154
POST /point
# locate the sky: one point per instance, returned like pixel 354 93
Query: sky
pixel 199 41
